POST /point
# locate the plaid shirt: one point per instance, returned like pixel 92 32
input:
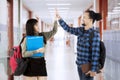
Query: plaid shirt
pixel 83 45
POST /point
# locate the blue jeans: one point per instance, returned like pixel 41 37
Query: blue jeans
pixel 82 75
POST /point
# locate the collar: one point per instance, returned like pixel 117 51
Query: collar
pixel 89 30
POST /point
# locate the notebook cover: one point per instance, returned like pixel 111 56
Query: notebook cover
pixel 34 43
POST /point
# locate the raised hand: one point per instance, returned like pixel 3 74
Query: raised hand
pixel 56 13
pixel 37 18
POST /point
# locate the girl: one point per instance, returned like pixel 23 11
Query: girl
pixel 36 66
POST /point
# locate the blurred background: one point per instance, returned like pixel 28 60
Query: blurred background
pixel 61 48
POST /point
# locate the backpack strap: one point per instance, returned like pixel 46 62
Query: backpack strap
pixel 91 41
pixel 22 40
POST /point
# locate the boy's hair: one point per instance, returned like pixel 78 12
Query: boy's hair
pixel 94 16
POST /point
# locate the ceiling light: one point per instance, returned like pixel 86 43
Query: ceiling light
pixel 49 4
pixel 110 13
pixel 116 10
pixel 117 7
pixel 58 8
pixel 59 11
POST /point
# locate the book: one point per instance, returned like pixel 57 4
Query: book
pixel 34 43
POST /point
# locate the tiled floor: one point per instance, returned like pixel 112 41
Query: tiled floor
pixel 60 59
pixel 61 62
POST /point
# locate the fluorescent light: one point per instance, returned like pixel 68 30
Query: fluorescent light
pixel 110 13
pixel 117 7
pixel 52 12
pixel 116 10
pixel 59 8
pixel 64 4
pixel 59 11
pixel 115 22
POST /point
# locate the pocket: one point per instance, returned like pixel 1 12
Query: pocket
pixel 86 67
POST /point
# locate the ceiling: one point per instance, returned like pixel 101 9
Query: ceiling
pixel 68 9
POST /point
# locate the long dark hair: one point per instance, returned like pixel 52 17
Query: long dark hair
pixel 30 28
pixel 94 16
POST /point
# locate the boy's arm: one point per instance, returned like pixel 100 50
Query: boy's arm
pixel 75 31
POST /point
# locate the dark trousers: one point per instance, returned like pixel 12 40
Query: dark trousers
pixel 82 75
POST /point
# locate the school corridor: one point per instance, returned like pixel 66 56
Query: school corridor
pixel 60 53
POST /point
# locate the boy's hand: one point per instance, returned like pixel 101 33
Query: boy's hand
pixel 57 15
pixel 37 18
pixel 91 73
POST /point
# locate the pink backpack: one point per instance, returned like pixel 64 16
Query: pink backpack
pixel 17 63
pixel 16 54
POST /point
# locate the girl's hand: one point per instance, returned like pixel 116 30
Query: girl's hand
pixel 42 50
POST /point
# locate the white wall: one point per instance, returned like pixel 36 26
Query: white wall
pixel 16 26
pixel 3 12
pixel 3 28
pixel 112 64
pixel 3 39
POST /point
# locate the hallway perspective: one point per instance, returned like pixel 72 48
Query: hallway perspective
pixel 63 48
pixel 61 62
